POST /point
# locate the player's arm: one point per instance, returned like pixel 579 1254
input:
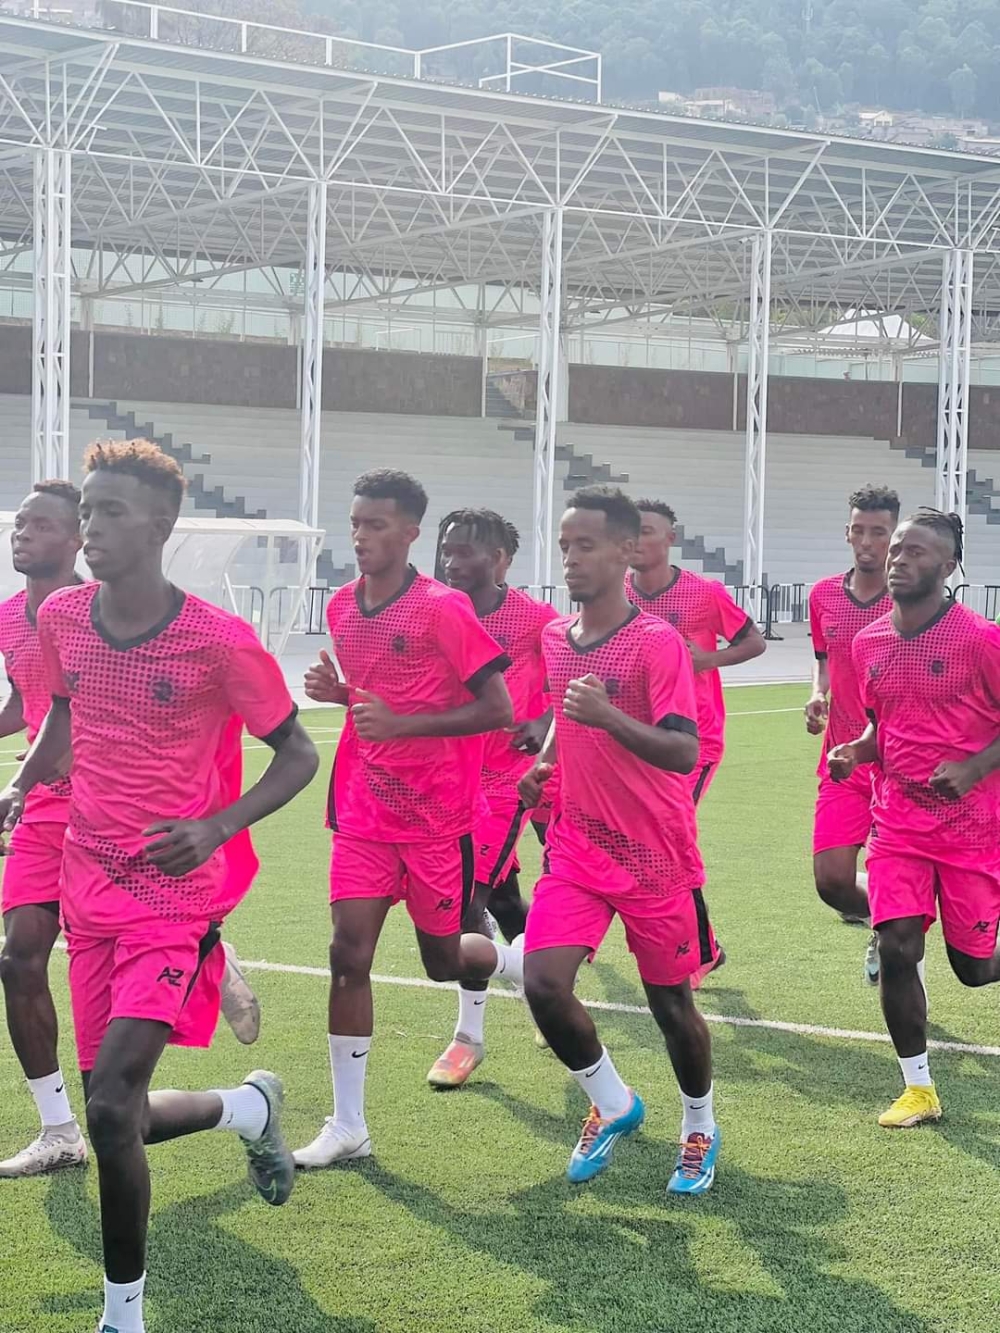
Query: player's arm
pixel 844 759
pixel 817 708
pixel 530 737
pixel 188 843
pixel 46 756
pixel 529 789
pixel 490 710
pixel 955 780
pixel 748 644
pixel 670 744
pixel 12 713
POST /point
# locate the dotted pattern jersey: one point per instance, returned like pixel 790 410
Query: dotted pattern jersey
pixel 835 618
pixel 423 651
pixel 22 655
pixel 616 816
pixel 702 611
pixel 935 696
pixel 156 727
pixel 516 624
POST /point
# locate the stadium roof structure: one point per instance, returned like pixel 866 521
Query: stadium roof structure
pixel 166 163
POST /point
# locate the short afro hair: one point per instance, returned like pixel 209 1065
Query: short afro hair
pixel 61 490
pixel 872 499
pixel 141 459
pixel 620 511
pixel 657 507
pixel 385 483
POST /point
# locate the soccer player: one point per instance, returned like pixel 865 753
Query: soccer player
pixel 423 681
pixel 45 543
pixel 702 611
pixel 839 607
pixel 473 550
pixel 150 688
pixel 929 674
pixel 622 839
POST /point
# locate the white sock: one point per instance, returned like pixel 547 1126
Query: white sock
pixel 123 1306
pixel 861 880
pixel 603 1085
pixel 699 1117
pixel 916 1071
pixel 244 1110
pixel 348 1065
pixel 510 961
pixel 51 1099
pixel 471 1014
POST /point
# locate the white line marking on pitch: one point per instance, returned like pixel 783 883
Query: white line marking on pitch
pixel 608 1006
pixel 612 1007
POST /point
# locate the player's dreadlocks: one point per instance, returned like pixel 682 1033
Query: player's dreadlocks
pixel 946 525
pixel 488 528
pixel 512 543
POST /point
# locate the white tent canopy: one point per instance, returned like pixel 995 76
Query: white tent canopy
pixel 257 567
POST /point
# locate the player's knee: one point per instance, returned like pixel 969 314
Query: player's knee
pixel 440 968
pixel 350 962
pixel 899 952
pixel 544 992
pixel 21 973
pixel 832 887
pixel 972 972
pixel 112 1120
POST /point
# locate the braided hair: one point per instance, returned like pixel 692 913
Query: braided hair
pixel 946 525
pixel 488 528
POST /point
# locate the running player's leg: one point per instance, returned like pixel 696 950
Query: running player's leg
pixel 903 907
pixel 970 911
pixel 699 780
pixel 31 927
pixel 841 827
pixel 366 878
pixel 494 850
pixel 671 938
pixel 508 908
pixel 566 925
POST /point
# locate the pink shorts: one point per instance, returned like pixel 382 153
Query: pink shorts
pixel 843 811
pixel 669 935
pixel 31 868
pixel 435 879
pixel 172 975
pixel 968 898
pixel 497 835
pixel 700 779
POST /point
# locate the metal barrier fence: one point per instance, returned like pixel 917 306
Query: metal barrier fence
pixel 981 597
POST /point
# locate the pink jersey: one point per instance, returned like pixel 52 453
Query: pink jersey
pixel 835 617
pixel 703 612
pixel 22 655
pixel 424 651
pixel 639 817
pixel 516 624
pixel 935 697
pixel 156 726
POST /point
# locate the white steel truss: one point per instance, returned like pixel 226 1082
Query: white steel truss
pixel 547 410
pixel 312 355
pixel 756 444
pixel 50 388
pixel 953 382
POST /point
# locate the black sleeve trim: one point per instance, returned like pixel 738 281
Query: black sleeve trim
pixel 742 633
pixel 675 722
pixel 821 657
pixel 871 717
pixel 60 698
pixel 479 678
pixel 281 732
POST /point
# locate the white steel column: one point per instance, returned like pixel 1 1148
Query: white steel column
pixel 547 409
pixel 51 327
pixel 756 445
pixel 311 383
pixel 953 383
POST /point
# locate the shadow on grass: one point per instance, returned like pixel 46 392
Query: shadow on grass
pixel 201 1277
pixel 627 1267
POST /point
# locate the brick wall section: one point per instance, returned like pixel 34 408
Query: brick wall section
pixel 219 372
pixel 415 383
pixel 677 399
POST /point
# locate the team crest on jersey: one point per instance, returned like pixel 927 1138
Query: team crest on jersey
pixel 830 632
pixel 399 644
pixel 72 679
pixel 162 690
pixel 611 687
pixel 937 667
pixel 674 618
pixel 874 671
pixel 503 640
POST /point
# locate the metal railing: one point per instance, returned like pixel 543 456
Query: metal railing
pixel 981 597
pixel 516 56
